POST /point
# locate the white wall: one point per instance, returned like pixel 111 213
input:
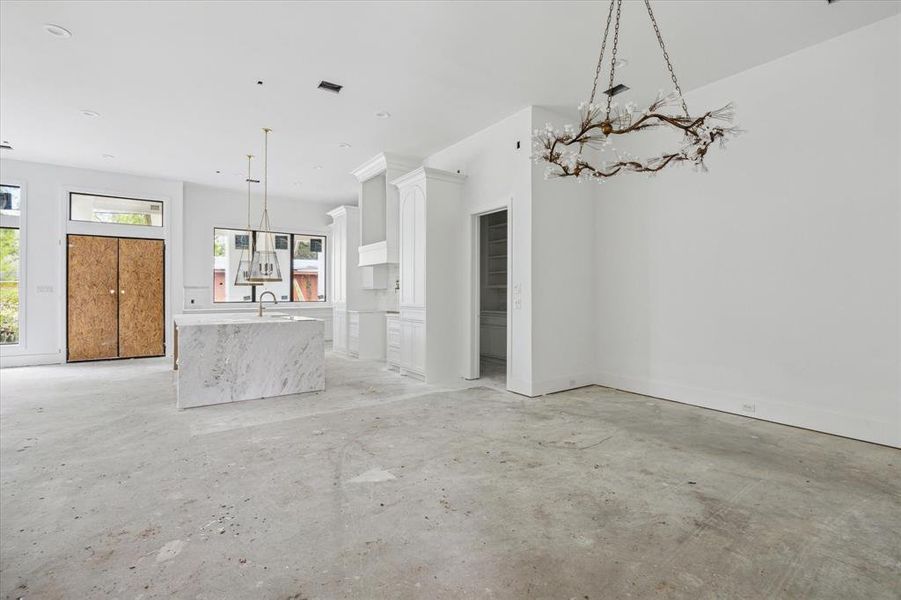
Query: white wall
pixel 551 242
pixel 563 285
pixel 498 175
pixel 46 189
pixel 770 286
pixel 207 208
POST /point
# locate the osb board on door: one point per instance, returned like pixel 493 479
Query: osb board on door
pixel 141 302
pixel 92 302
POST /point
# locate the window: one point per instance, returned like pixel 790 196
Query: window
pixel 121 211
pixel 301 259
pixel 308 269
pixel 10 264
pixel 10 199
pixel 227 247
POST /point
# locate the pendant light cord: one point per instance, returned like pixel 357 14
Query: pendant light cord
pixel 264 220
pixel 249 158
pixel 266 169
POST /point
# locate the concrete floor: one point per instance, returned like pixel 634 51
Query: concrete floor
pixel 382 487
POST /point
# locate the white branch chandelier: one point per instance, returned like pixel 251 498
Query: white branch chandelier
pixel 564 151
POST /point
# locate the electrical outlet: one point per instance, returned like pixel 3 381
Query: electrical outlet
pixel 748 408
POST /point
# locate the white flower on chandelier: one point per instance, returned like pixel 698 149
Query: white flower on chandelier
pixel 600 123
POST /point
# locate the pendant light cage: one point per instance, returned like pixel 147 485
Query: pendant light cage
pixel 264 265
pixel 242 275
pixel 564 149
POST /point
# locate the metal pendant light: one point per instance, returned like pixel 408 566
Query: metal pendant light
pixel 264 264
pixel 243 273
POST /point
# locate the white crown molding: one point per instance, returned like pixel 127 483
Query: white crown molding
pixel 382 162
pixel 423 173
pixel 341 211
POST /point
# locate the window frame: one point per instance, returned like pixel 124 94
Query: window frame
pixel 147 200
pixel 290 274
pixel 19 222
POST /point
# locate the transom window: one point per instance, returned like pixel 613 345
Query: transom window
pixel 110 209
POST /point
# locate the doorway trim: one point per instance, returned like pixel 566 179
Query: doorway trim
pixel 473 300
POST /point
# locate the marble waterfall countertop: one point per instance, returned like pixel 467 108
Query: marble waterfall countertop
pixel 228 357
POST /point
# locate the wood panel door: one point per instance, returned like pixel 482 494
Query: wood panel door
pixel 141 301
pixel 93 298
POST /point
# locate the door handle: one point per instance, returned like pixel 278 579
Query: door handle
pixel 112 291
pixel 121 291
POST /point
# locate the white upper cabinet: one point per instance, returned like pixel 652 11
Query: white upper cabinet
pixel 378 203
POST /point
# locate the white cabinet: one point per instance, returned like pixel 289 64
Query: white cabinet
pixel 392 341
pixel 339 330
pixel 348 290
pixel 378 202
pixel 493 335
pixel 430 267
pixel 366 334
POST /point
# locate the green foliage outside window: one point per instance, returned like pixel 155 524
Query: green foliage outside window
pixel 9 286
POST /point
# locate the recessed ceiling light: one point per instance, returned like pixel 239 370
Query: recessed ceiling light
pixel 344 145
pixel 296 183
pixel 90 113
pixel 57 31
pixel 317 167
pixel 383 114
pixel 109 156
pixel 621 62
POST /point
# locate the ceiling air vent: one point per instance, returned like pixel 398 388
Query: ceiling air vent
pixel 617 89
pixel 328 86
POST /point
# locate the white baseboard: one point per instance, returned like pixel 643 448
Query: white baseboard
pixel 30 360
pixel 838 423
pixel 561 384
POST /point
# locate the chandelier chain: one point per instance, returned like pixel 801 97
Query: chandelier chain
pixel 597 71
pixel 619 8
pixel 669 64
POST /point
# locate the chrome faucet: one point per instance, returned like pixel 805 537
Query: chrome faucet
pixel 274 299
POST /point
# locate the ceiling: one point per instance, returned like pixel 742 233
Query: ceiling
pixel 175 83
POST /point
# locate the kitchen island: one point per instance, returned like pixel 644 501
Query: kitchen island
pixel 222 358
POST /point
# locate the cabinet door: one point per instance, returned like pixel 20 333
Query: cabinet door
pixel 418 348
pixel 338 259
pixel 141 298
pixel 339 340
pixel 405 251
pixel 419 235
pixel 92 297
pixel 406 344
pixel 412 247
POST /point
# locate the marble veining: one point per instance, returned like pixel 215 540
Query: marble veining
pixel 232 357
